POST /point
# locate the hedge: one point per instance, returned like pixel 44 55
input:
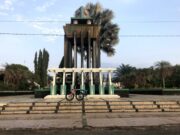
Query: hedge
pixel 122 92
pixel 13 93
pixel 41 93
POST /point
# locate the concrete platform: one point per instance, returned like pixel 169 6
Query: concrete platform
pixel 90 120
pixel 87 97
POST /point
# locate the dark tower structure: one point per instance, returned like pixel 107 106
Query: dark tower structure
pixel 82 36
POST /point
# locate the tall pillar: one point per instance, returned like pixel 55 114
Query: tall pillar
pixel 65 52
pixel 97 51
pixel 69 62
pixel 89 51
pixel 75 51
pixel 94 55
pixel 82 50
pixel 99 54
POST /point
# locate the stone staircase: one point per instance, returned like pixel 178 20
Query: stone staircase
pixel 170 106
pixel 89 107
pixel 125 106
pixel 148 106
pixel 96 106
pixel 16 108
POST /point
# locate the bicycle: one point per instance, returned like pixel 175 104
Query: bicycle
pixel 78 93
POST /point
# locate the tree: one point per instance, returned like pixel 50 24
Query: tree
pixel 126 75
pixel 45 61
pixel 109 31
pixel 35 63
pixel 17 76
pixel 41 66
pixel 164 71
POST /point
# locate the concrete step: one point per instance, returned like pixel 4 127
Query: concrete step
pixel 42 112
pixel 96 111
pixel 11 108
pixel 28 104
pixel 39 108
pixel 95 103
pixel 13 112
pixel 98 107
pixel 119 103
pixel 71 103
pixel 69 111
pixel 70 107
pixel 146 106
pixel 149 110
pixel 123 110
pixel 170 106
pixel 50 104
pixel 171 110
pixel 142 102
pixel 121 106
pixel 166 102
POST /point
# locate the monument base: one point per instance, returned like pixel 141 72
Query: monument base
pixel 87 97
pixel 54 97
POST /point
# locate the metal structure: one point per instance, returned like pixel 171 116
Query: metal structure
pixel 81 36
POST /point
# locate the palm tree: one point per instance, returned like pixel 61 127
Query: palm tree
pixel 164 71
pixel 125 74
pixel 109 31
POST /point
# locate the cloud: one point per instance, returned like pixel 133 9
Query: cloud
pixel 127 1
pixel 44 27
pixel 178 9
pixel 46 5
pixel 6 6
pixel 3 14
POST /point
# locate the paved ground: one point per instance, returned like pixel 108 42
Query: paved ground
pixel 156 123
pixel 92 124
pixel 160 130
pixel 91 120
pixel 133 97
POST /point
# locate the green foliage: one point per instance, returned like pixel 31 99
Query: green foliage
pixel 109 31
pixel 165 70
pixel 17 76
pixel 40 67
pixel 161 75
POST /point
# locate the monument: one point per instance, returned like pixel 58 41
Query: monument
pixel 82 36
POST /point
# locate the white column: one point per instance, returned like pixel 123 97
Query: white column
pixel 64 77
pixel 73 78
pixel 100 77
pixel 91 75
pixel 110 81
pixel 53 84
pixel 82 78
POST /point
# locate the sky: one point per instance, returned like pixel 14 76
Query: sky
pixel 134 17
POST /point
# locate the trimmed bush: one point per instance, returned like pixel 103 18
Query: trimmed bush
pixel 146 91
pixel 122 92
pixel 41 93
pixel 171 91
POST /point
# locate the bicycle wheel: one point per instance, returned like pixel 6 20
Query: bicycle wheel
pixel 69 97
pixel 80 96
